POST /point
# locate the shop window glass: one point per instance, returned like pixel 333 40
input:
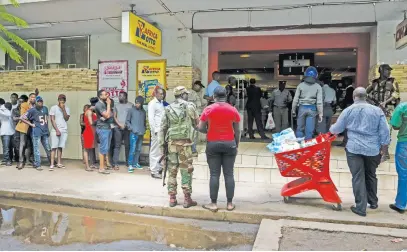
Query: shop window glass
pixel 74 53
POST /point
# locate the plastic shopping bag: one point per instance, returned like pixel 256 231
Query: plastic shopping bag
pixel 270 122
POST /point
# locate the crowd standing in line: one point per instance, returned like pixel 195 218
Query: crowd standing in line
pixel 174 127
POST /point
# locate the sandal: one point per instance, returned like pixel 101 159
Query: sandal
pixel 210 208
pixel 230 207
pixel 104 172
pixel 116 168
pixel 61 166
pixel 89 169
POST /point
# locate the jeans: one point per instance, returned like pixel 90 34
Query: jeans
pixel 221 156
pixel 14 147
pixel 364 180
pixel 136 142
pixel 323 127
pixel 306 121
pixel 120 135
pixel 25 149
pixel 6 148
pixel 45 143
pixel 401 167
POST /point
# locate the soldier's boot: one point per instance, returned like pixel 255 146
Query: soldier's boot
pixel 173 200
pixel 188 202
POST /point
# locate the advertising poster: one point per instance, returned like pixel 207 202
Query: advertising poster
pixel 150 73
pixel 113 77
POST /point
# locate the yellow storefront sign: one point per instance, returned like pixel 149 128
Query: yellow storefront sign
pixel 138 32
pixel 150 73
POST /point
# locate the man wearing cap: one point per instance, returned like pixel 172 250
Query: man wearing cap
pixel 278 102
pixel 196 97
pixel 384 91
pixel 59 115
pixel 177 132
pixel 37 119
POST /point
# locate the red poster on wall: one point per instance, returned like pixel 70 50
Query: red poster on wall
pixel 113 76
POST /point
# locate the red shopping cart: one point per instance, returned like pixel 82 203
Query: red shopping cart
pixel 311 165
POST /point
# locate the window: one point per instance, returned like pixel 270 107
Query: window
pixel 74 54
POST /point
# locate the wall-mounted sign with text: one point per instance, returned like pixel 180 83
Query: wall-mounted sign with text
pixel 113 76
pixel 401 35
pixel 138 32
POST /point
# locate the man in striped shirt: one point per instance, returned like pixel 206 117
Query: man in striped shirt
pixel 368 140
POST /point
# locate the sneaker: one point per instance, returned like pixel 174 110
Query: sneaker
pixel 138 166
pixel 9 164
pixel 51 168
pixel 38 168
pixel 130 169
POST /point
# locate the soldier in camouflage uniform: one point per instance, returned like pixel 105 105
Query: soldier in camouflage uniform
pixel 177 132
pixel 384 91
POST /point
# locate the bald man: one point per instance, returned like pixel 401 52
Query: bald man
pixel 368 140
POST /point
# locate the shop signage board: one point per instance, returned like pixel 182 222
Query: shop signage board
pixel 113 76
pixel 150 73
pixel 139 32
pixel 401 35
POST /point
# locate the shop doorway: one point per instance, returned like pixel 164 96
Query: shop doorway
pixel 264 66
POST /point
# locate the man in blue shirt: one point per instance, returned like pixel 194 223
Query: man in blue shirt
pixel 211 87
pixel 367 146
pixel 37 119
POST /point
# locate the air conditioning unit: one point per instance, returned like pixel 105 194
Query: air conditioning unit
pixel 39 67
pixel 71 65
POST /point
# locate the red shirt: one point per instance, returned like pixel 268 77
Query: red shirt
pixel 220 117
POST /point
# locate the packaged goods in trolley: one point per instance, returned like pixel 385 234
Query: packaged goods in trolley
pixel 307 160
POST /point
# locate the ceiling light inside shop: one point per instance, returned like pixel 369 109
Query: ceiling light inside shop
pixel 320 54
pixel 245 56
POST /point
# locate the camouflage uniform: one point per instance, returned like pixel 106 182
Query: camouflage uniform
pixel 177 130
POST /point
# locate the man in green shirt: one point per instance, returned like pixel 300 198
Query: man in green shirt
pixel 399 122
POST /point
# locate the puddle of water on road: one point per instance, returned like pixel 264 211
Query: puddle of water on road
pixel 37 223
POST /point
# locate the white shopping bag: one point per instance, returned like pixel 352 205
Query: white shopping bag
pixel 270 122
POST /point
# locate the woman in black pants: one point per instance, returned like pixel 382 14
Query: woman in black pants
pixel 221 123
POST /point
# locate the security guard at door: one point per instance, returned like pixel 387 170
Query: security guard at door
pixel 384 91
pixel 278 102
pixel 177 133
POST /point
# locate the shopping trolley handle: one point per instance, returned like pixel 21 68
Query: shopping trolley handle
pixel 330 137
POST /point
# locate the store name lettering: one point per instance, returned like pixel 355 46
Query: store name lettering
pixel 112 69
pixel 148 70
pixel 146 34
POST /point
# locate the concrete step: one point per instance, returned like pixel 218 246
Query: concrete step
pixel 263 169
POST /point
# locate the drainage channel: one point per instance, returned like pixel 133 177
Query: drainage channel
pixel 38 226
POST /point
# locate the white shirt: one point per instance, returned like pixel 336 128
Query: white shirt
pixel 155 114
pixel 329 94
pixel 7 128
pixel 59 118
pixel 14 106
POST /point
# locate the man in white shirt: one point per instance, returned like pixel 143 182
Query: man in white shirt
pixel 155 114
pixel 13 147
pixel 59 115
pixel 6 131
pixel 329 101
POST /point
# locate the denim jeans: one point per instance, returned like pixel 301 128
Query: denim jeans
pixel 136 142
pixel 401 167
pixel 105 136
pixel 45 143
pixel 119 136
pixel 25 149
pixel 306 121
pixel 6 148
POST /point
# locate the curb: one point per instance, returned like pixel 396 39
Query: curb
pixel 180 212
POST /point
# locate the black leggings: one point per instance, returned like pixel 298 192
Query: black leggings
pixel 221 155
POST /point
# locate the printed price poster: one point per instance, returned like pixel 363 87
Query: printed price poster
pixel 150 73
pixel 113 77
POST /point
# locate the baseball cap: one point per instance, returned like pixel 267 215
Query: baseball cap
pixel 61 96
pixel 198 83
pixel 180 90
pixel 38 98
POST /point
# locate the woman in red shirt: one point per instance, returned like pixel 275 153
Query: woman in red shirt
pixel 221 123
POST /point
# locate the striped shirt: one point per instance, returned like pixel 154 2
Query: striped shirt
pixel 366 126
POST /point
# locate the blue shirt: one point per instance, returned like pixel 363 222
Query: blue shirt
pixel 211 88
pixel 39 119
pixel 366 127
